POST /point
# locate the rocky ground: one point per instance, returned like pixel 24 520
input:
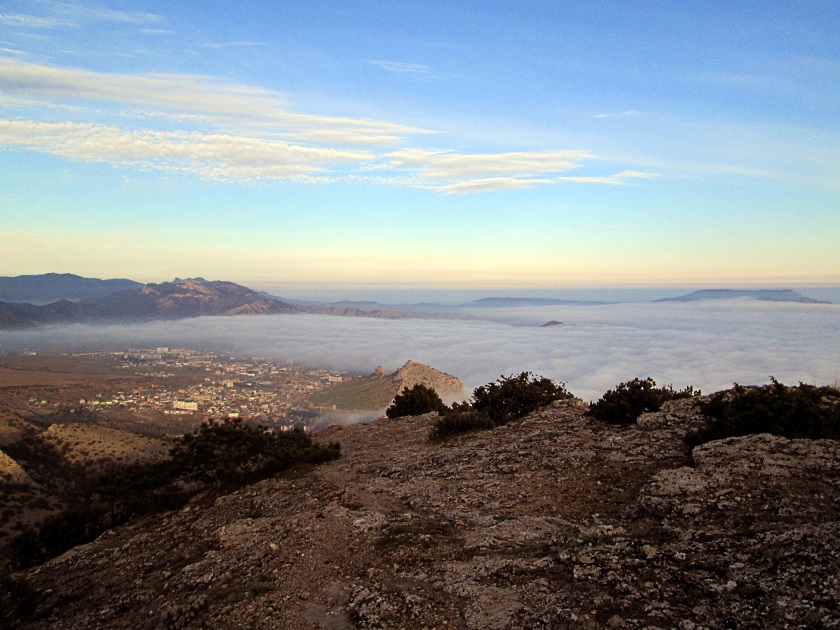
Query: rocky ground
pixel 554 521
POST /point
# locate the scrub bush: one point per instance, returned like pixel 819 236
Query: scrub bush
pixel 416 401
pixel 496 403
pixel 460 419
pixel 513 397
pixel 805 411
pixel 625 403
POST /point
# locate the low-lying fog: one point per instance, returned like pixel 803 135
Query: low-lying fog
pixel 709 345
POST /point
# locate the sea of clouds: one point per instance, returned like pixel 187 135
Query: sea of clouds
pixel 709 345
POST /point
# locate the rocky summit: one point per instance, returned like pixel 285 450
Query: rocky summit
pixel 552 521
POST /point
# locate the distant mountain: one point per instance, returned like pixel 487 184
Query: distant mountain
pixel 349 311
pixel 193 297
pixel 365 304
pixel 167 300
pixel 51 287
pixel 511 301
pixel 376 391
pixel 763 295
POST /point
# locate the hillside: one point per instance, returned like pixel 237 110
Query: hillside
pixel 376 391
pixel 47 470
pixel 552 521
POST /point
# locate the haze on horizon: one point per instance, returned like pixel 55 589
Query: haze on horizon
pixel 708 345
pixel 422 145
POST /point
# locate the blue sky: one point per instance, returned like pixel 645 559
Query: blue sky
pixel 429 144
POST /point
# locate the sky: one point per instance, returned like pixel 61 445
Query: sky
pixel 482 145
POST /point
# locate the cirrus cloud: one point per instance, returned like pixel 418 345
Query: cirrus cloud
pixel 228 131
pixel 211 156
pixel 232 104
pixel 459 173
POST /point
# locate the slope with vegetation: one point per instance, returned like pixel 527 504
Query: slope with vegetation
pixel 549 520
pixel 225 455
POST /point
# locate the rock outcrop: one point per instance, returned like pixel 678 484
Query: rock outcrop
pixel 447 386
pixel 552 521
pixel 376 392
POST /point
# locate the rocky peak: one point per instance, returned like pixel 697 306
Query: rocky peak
pixel 187 286
pixel 413 373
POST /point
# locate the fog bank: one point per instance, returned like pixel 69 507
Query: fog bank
pixel 708 345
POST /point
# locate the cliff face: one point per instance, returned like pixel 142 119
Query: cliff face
pixel 552 521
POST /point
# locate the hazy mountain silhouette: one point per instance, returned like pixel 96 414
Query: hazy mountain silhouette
pixel 179 299
pixel 52 287
pixel 764 295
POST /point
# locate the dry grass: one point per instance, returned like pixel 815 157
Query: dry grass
pixel 93 445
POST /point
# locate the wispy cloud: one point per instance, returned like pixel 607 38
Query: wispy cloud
pixel 235 132
pixel 610 180
pixel 210 156
pixel 73 14
pixel 459 173
pixel 23 20
pixel 625 114
pixel 230 103
pixel 13 51
pixel 414 70
pixel 489 184
pixel 239 44
pixel 442 165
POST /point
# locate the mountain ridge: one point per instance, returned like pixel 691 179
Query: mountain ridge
pixel 762 295
pixel 52 287
pixel 181 298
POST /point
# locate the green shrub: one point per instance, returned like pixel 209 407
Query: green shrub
pixel 416 401
pixel 460 419
pixel 805 411
pixel 507 399
pixel 232 453
pixel 625 403
pixel 513 397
